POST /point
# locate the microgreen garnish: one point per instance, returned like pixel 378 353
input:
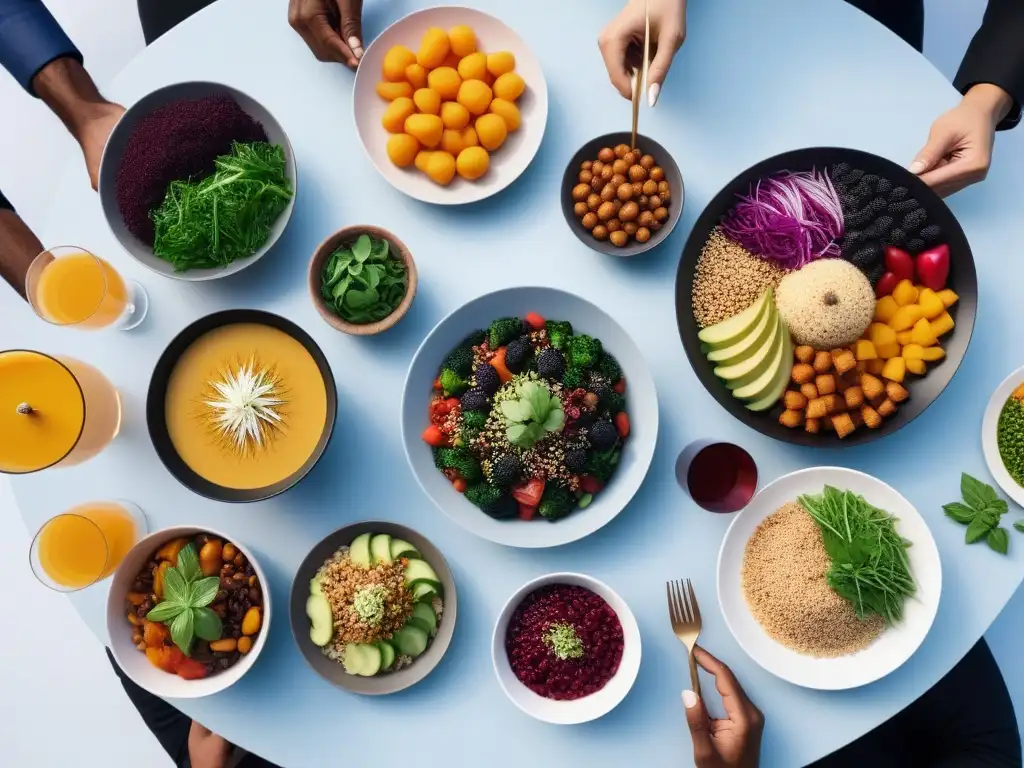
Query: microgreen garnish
pixel 565 643
pixel 363 282
pixel 186 595
pixel 533 414
pixel 981 511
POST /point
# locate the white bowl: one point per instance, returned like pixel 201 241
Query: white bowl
pixel 641 399
pixel 989 425
pixel 893 647
pixel 508 162
pixel 578 710
pixel 134 662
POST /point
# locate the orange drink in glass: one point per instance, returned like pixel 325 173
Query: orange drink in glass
pixel 85 544
pixel 69 286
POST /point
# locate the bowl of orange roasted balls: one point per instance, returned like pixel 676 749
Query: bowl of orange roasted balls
pixel 457 108
pixel 622 200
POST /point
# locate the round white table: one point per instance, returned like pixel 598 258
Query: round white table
pixel 753 79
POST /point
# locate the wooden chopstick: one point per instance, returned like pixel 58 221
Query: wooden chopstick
pixel 640 77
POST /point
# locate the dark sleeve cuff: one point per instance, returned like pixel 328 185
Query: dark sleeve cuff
pixel 996 55
pixel 5 204
pixel 30 38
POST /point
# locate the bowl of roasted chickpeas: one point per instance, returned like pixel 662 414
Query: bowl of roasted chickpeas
pixel 622 200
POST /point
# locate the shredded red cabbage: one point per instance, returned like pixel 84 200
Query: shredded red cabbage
pixel 791 219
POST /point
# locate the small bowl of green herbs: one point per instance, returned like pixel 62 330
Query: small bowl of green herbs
pixel 362 280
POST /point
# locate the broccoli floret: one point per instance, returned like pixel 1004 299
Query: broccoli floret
pixel 584 351
pixel 609 367
pixel 463 461
pixel 572 378
pixel 440 457
pixel 602 464
pixel 452 383
pixel 474 419
pixel 556 503
pixel 492 501
pixel 460 360
pixel 559 333
pixel 503 330
pixel 608 399
pixel 474 339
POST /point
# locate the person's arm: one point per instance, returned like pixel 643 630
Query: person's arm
pixel 995 57
pixel 18 247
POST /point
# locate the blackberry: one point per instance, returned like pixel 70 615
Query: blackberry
pixel 930 233
pixel 916 245
pixel 505 470
pixel 474 400
pixel 852 177
pixel 904 206
pixel 550 364
pixel 840 169
pixel 898 194
pixel 870 178
pixel 460 360
pixel 879 227
pixel 608 399
pixel 862 190
pixel 883 187
pixel 877 205
pixel 576 461
pixel 602 435
pixel 487 379
pixel 915 219
pixel 875 273
pixel 517 353
pixel 866 257
pixel 896 237
pixel 859 218
pixel 853 238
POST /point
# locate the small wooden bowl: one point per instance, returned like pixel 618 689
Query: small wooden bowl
pixel 331 244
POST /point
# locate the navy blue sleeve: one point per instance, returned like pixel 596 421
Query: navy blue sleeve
pixel 996 55
pixel 30 38
pixel 5 204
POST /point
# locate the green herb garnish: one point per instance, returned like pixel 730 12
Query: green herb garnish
pixel 981 511
pixel 1010 438
pixel 564 641
pixel 533 414
pixel 368 603
pixel 186 595
pixel 363 282
pixel 224 217
pixel 869 558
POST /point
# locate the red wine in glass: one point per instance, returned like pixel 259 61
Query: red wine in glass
pixel 720 477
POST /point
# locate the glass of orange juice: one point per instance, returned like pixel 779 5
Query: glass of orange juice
pixel 69 286
pixel 85 544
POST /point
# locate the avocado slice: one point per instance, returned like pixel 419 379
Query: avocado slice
pixel 749 370
pixel 762 385
pixel 749 344
pixel 734 328
pixel 778 385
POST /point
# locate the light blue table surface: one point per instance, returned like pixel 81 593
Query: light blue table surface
pixel 754 78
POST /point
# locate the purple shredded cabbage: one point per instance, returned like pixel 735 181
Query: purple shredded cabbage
pixel 791 219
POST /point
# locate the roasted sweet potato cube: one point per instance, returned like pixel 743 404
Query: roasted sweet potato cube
pixel 843 424
pixel 791 418
pixel 812 425
pixel 822 362
pixel 794 401
pixel 854 397
pixel 834 403
pixel 844 361
pixel 896 392
pixel 804 354
pixel 802 373
pixel 871 385
pixel 817 408
pixel 809 391
pixel 871 418
pixel 826 383
pixel 887 408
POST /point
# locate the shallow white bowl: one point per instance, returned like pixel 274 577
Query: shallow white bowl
pixel 893 647
pixel 641 404
pixel 508 162
pixel 990 447
pixel 579 710
pixel 133 662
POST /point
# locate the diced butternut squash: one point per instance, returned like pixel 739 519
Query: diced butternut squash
pixel 933 354
pixel 865 350
pixel 905 293
pixel 922 334
pixel 905 317
pixel 170 550
pixel 885 309
pixel 943 324
pixel 879 333
pixel 930 303
pixel 895 369
pixel 875 366
pixel 917 367
pixel 155 634
pixel 904 338
pixel 948 297
pixel 887 351
pixel 912 352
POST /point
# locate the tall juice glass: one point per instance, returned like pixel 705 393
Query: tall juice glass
pixel 54 411
pixel 69 286
pixel 85 544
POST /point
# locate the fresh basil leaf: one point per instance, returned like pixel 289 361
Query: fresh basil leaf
pixel 175 586
pixel 207 624
pixel 977 494
pixel 188 563
pixel 977 529
pixel 202 592
pixel 165 611
pixel 959 512
pixel 999 540
pixel 361 249
pixel 183 631
pixel 1019 525
pixel 998 507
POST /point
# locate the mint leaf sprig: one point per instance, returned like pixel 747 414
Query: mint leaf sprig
pixel 981 512
pixel 186 597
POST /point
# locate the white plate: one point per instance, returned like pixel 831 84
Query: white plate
pixel 893 647
pixel 990 447
pixel 507 162
pixel 578 710
pixel 641 404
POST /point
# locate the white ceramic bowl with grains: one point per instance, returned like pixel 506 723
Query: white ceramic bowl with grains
pixel 989 436
pixel 893 646
pixel 507 162
pixel 577 710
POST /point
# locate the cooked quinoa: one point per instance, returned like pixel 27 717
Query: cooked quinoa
pixel 783 578
pixel 729 278
pixel 827 304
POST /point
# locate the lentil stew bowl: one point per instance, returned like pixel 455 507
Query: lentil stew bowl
pixel 223 668
pixel 331 668
pixel 566 648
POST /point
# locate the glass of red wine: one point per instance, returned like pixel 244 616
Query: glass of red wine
pixel 720 477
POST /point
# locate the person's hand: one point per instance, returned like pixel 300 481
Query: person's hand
pixel 333 29
pixel 206 749
pixel 735 740
pixel 622 44
pixel 959 148
pixel 92 134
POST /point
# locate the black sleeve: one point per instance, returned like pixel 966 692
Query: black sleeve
pixel 996 55
pixel 5 204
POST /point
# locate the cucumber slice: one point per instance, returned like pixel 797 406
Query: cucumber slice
pixel 424 613
pixel 362 659
pixel 402 548
pixel 359 550
pixel 314 586
pixel 322 621
pixel 380 548
pixel 373 657
pixel 416 570
pixel 387 655
pixel 410 641
pixel 420 624
pixel 423 590
pixel 434 585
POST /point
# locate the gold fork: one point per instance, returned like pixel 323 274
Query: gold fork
pixel 685 615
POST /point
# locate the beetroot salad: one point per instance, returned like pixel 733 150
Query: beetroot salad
pixel 564 642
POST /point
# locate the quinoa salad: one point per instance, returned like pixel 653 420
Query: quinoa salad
pixel 375 605
pixel 528 418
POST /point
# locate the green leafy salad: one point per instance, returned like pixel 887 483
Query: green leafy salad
pixel 363 282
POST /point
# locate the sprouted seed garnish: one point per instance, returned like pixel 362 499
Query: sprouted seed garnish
pixel 563 641
pixel 243 406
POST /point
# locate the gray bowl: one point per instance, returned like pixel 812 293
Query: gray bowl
pixel 332 671
pixel 111 161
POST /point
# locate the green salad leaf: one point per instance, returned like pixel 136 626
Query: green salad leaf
pixel 533 414
pixel 363 282
pixel 186 597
